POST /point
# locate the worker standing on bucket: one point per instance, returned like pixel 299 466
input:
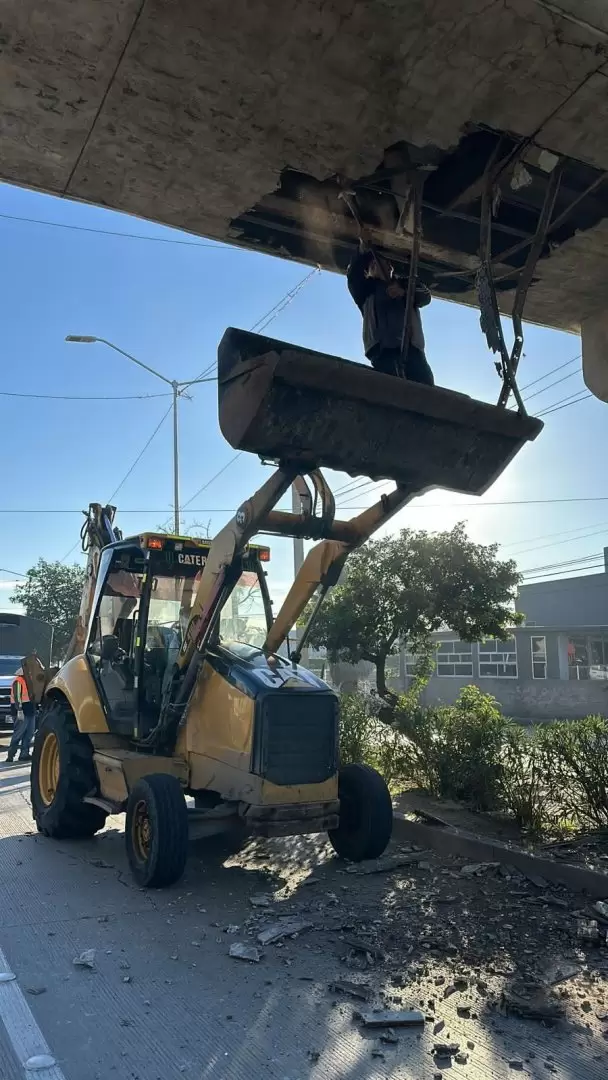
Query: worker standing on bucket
pixel 382 300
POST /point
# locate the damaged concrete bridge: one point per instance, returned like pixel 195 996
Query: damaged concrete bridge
pixel 247 122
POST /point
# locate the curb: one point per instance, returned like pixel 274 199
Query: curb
pixel 448 841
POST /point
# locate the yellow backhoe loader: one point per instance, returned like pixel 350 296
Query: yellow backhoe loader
pixel 174 686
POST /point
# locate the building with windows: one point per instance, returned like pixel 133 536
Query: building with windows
pixel 554 666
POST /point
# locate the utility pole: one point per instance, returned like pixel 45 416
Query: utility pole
pixel 175 386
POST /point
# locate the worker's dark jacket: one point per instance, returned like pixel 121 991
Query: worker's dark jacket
pixel 383 316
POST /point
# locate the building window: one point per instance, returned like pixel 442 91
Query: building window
pixel 455 659
pixel 588 657
pixel 498 659
pixel 411 662
pixel 538 646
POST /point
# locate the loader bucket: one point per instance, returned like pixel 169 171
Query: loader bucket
pixel 307 408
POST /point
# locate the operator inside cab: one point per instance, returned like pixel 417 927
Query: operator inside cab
pixel 381 297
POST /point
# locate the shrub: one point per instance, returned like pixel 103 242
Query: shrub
pixel 365 738
pixel 456 751
pixel 576 764
pixel 526 786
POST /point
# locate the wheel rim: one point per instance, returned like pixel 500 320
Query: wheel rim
pixel 141 831
pixel 48 768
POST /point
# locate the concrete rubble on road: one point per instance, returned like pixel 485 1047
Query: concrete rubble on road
pixel 391 1019
pixel 282 928
pixel 85 960
pixel 239 951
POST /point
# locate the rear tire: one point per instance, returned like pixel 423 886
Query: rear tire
pixel 157 830
pixel 63 773
pixel 366 814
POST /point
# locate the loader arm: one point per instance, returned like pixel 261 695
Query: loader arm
pixel 324 563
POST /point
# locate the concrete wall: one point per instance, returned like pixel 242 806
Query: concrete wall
pixel 529 699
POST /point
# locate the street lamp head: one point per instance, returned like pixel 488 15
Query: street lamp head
pixel 83 338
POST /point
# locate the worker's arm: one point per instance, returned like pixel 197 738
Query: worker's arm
pixel 18 693
pixel 359 285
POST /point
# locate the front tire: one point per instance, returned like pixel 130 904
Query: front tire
pixel 157 830
pixel 366 814
pixel 63 773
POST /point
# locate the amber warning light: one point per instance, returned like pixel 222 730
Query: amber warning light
pixel 264 554
pixel 155 543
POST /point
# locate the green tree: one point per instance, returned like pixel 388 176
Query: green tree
pixel 400 589
pixel 52 592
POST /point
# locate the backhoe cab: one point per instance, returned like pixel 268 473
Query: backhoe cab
pixel 174 685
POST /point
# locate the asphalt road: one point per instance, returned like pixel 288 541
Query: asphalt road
pixel 165 1001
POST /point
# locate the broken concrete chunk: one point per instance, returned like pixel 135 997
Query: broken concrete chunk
pixel 446 1049
pixel 383 865
pixel 282 928
pixel 239 951
pixel 535 1006
pixel 461 1058
pixel 474 869
pixel 390 1018
pixel 361 991
pixel 537 880
pixel 601 906
pixel 587 931
pixel 561 972
pixel 260 900
pixel 85 960
pixel 39 1062
pixel 361 945
pixel 389 1037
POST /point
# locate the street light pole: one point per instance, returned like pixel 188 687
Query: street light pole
pixel 177 388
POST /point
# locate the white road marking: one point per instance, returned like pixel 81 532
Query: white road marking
pixel 26 1037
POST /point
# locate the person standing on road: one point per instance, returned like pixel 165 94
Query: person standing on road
pixel 24 715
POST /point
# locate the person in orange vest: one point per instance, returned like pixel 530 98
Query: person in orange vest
pixel 24 715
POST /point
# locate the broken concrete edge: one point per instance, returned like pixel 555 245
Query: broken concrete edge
pixel 448 841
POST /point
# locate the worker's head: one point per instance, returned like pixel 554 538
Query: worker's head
pixel 19 671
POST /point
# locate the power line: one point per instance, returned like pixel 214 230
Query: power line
pixel 124 479
pixel 85 397
pixel 564 562
pixel 425 506
pixel 550 386
pixel 565 403
pixel 219 246
pixel 272 313
pixel 572 570
pixel 13 573
pixel 563 532
pixel 541 378
pixel 557 543
pixel 209 482
pixel 141 453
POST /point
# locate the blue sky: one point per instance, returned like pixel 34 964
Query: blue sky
pixel 168 304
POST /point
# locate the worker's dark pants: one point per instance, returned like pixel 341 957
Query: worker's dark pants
pixel 23 732
pixel 414 365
